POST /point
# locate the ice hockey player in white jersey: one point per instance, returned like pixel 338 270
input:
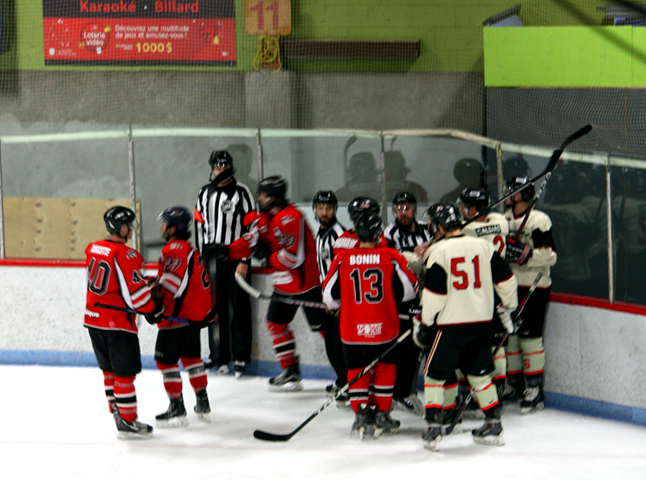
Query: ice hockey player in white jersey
pixel 462 274
pixel 494 228
pixel 533 252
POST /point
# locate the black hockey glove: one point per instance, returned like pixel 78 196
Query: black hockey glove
pixel 423 335
pixel 262 252
pixel 220 251
pixel 517 251
pixel 155 316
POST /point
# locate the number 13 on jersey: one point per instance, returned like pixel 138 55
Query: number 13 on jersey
pixel 269 17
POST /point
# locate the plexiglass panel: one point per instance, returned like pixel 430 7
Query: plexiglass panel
pixel 171 170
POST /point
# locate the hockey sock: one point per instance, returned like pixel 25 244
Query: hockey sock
pixel 433 394
pixel 284 343
pixel 384 385
pixel 126 397
pixel 533 355
pixel 196 373
pixel 485 391
pixel 451 392
pixel 500 365
pixel 108 384
pixel 514 356
pixel 359 391
pixel 172 379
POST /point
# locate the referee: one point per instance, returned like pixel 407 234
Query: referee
pixel 325 205
pixel 219 219
pixel 406 235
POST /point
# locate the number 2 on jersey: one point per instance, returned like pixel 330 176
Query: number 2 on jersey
pixel 458 270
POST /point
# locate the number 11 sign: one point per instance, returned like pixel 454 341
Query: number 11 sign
pixel 268 17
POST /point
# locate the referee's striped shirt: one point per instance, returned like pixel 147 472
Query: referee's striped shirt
pixel 220 212
pixel 325 239
pixel 406 241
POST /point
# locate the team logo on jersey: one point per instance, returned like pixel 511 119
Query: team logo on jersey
pixel 227 206
pixel 488 230
pixel 369 329
pixel 285 240
pixel 131 254
pixel 286 219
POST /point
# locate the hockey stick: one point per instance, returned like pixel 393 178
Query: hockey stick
pixel 277 437
pixel 472 391
pixel 209 317
pixel 551 165
pixel 257 294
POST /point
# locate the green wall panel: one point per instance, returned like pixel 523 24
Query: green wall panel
pixel 565 57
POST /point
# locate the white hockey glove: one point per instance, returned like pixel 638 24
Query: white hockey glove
pixel 504 314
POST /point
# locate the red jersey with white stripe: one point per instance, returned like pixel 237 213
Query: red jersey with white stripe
pixel 293 250
pixel 184 283
pixel 349 239
pixel 115 277
pixel 367 284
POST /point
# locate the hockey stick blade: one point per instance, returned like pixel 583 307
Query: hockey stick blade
pixel 277 437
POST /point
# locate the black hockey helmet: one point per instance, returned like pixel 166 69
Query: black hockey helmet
pixel 368 227
pixel 177 217
pixel 430 215
pixel 274 186
pixel 475 197
pixel 116 217
pixel 404 197
pixel 325 197
pixel 514 183
pixel 220 158
pixel 359 205
pixel 449 218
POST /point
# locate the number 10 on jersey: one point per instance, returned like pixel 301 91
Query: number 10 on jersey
pixel 269 17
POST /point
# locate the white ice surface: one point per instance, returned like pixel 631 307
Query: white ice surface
pixel 56 424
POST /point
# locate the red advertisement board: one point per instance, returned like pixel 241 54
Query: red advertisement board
pixel 140 32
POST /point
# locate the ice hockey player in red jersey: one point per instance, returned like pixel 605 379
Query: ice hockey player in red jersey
pixel 367 283
pixel 183 284
pixel 115 278
pixel 282 231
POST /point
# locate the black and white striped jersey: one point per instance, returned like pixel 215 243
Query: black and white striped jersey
pixel 325 239
pixel 220 212
pixel 405 241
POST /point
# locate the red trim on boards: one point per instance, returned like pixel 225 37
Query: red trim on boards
pixel 598 303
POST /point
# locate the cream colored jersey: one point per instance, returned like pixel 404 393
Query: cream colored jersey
pixel 537 233
pixel 494 230
pixel 462 273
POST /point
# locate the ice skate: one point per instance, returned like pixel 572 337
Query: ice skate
pixel 175 416
pixel 239 368
pixel 362 421
pixel 384 424
pixel 223 370
pixel 410 404
pixel 343 400
pixel 432 437
pixel 288 381
pixel 131 430
pixel 331 389
pixel 490 433
pixel 202 407
pixel 533 400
